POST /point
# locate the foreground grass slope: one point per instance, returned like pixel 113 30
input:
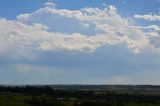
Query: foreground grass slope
pixel 12 100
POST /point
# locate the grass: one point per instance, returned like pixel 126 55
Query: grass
pixel 10 100
pixel 19 100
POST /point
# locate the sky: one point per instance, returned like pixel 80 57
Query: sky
pixel 79 42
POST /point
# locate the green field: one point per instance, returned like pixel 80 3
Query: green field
pixel 20 100
pixel 48 96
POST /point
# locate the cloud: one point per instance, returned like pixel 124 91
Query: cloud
pixel 84 21
pixel 24 38
pixel 89 45
pixel 149 17
pixel 152 34
pixel 50 4
pixel 84 30
pixel 150 27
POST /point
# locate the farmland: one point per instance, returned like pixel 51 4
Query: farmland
pixel 80 95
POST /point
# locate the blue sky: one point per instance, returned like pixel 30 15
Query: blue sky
pixel 10 9
pixel 79 42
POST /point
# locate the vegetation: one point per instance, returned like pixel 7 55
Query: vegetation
pixel 47 96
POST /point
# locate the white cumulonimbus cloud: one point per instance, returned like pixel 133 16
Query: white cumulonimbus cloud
pixel 84 30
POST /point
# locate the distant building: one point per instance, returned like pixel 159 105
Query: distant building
pixel 73 99
pixel 60 98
